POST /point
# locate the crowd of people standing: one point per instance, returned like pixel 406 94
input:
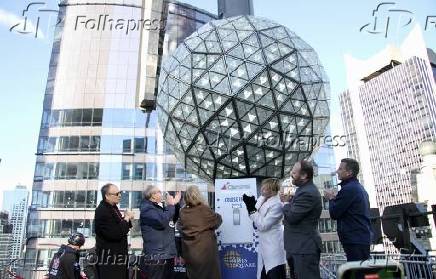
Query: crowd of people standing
pixel 287 227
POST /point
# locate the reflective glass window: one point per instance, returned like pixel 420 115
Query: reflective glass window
pixel 97 117
pixel 124 202
pixel 67 228
pixel 137 198
pixel 170 170
pixel 93 170
pixel 151 145
pixel 80 199
pixel 91 199
pixel 74 143
pixel 127 145
pixel 58 199
pixel 84 143
pixel 71 171
pixel 61 170
pixel 69 199
pixel 151 170
pixel 126 171
pixel 95 143
pixel 86 117
pixel 139 145
pixel 138 171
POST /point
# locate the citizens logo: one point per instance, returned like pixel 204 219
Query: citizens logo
pixel 228 186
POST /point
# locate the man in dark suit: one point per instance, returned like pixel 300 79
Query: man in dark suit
pixel 111 229
pixel 301 215
pixel 350 207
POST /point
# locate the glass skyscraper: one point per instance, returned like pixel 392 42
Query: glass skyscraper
pixel 105 60
pixel 15 202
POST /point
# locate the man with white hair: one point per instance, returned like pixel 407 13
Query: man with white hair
pixel 157 227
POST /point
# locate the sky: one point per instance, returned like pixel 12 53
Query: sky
pixel 331 27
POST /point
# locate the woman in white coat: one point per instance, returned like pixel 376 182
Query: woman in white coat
pixel 267 216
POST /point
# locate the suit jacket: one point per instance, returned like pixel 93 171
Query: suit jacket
pixel 111 242
pixel 301 216
pixel 111 229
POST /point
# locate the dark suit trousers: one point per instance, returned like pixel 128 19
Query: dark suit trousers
pixel 278 272
pixel 356 252
pixel 304 266
pixel 163 270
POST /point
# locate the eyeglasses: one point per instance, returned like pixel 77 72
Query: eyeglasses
pixel 115 194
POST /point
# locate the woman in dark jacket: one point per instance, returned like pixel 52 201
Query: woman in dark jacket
pixel 199 247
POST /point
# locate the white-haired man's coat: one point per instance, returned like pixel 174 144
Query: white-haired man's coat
pixel 268 221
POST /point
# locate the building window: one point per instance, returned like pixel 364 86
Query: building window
pixel 170 170
pixel 139 145
pixel 126 171
pixel 124 202
pixel 151 145
pixel 139 172
pixel 137 198
pixel 151 171
pixel 127 145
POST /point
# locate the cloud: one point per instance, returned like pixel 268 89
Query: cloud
pixel 9 19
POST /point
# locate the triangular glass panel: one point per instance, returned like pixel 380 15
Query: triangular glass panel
pixel 322 109
pixel 267 100
pixel 298 95
pixel 263 114
pixel 252 41
pixel 278 32
pixel 242 34
pixel 242 24
pixel 237 83
pixel 204 115
pixel 261 23
pixel 243 108
pixel 265 40
pixel 219 67
pixel 240 72
pixel 253 69
pixel 193 42
pixel 262 80
pixel 223 87
pixel 237 52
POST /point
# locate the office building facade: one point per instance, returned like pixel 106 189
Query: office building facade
pixel 387 112
pixel 5 242
pixel 92 130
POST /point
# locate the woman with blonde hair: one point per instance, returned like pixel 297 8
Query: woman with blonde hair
pixel 267 215
pixel 199 246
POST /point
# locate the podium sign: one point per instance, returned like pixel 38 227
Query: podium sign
pixel 236 235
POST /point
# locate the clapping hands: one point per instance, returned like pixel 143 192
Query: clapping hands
pixel 330 194
pixel 174 200
pixel 128 215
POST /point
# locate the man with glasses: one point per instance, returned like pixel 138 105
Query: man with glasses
pixel 158 234
pixel 111 229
